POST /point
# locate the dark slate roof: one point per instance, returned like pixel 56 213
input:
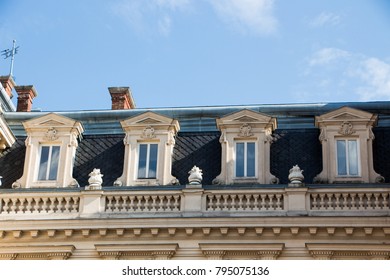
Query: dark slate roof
pixel 12 162
pixel 296 146
pixel 198 148
pixel 105 152
pixel 381 152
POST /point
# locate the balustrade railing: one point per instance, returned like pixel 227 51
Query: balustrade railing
pixel 244 202
pixel 36 204
pixel 141 203
pixel 349 201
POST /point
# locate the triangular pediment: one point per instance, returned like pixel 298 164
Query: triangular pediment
pixel 149 119
pixel 246 116
pixel 49 120
pixel 346 114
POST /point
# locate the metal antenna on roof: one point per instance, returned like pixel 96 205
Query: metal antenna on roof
pixel 11 53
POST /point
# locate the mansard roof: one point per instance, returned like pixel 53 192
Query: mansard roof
pixel 197 143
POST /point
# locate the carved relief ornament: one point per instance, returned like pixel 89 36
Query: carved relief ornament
pixel 346 128
pixel 245 130
pixel 148 133
pixel 51 134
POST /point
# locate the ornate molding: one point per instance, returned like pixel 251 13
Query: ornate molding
pixel 346 129
pixel 51 134
pixel 148 133
pixel 245 130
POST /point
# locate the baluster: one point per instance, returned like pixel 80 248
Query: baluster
pixel 234 202
pixel 67 204
pixel 52 204
pixel 37 206
pixel 147 204
pixel 377 201
pixel 109 203
pixel 262 203
pixel 361 201
pixel 225 202
pixel 167 202
pixel 337 201
pixel 75 204
pixel 345 200
pixel 176 204
pixel 249 202
pixel 314 203
pixel 240 202
pixel 29 206
pixel 117 203
pixel 44 205
pixel 154 208
pixel 139 203
pixel 124 204
pixel 14 205
pixel 132 204
pixel 60 208
pixel 370 204
pixel 256 202
pixel 218 202
pixel 278 202
pixel 322 201
pixel 354 203
pixel 386 198
pixel 6 207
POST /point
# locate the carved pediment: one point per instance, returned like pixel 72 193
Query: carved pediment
pixel 346 114
pixel 51 121
pixel 247 116
pixel 149 119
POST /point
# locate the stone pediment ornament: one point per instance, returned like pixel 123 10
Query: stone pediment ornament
pixel 51 134
pixel 245 130
pixel 346 128
pixel 195 177
pixel 95 180
pixel 148 133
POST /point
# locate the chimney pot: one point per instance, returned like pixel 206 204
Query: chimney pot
pixel 121 98
pixel 25 96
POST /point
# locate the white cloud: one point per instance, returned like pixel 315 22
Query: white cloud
pixel 327 55
pixel 344 76
pixel 247 15
pixel 149 16
pixel 325 18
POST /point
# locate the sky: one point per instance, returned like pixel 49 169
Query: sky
pixel 179 53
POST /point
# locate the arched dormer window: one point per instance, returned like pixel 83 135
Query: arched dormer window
pixel 50 150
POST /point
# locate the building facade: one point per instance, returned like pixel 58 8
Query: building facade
pixel 292 181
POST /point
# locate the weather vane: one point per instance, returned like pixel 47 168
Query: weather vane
pixel 11 53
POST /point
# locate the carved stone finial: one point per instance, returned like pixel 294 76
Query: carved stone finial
pixel 95 180
pixel 245 130
pixel 148 133
pixel 195 177
pixel 346 128
pixel 51 134
pixel 296 177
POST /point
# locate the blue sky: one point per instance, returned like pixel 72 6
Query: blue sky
pixel 175 53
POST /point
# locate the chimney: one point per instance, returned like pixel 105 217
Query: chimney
pixel 8 84
pixel 25 96
pixel 121 98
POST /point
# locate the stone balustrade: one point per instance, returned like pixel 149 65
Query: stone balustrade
pixel 198 201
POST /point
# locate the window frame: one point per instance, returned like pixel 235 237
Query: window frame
pixel 347 159
pixel 147 162
pixel 245 142
pixel 50 158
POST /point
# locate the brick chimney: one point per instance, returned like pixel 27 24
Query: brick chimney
pixel 8 84
pixel 25 96
pixel 121 98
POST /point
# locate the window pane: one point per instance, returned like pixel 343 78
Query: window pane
pixel 55 155
pixel 43 163
pixel 250 160
pixel 240 160
pixel 142 161
pixel 341 158
pixel 353 158
pixel 153 161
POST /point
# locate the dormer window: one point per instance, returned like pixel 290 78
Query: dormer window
pixel 50 149
pixel 149 142
pixel 246 141
pixel 346 137
pixel 147 163
pixel 246 159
